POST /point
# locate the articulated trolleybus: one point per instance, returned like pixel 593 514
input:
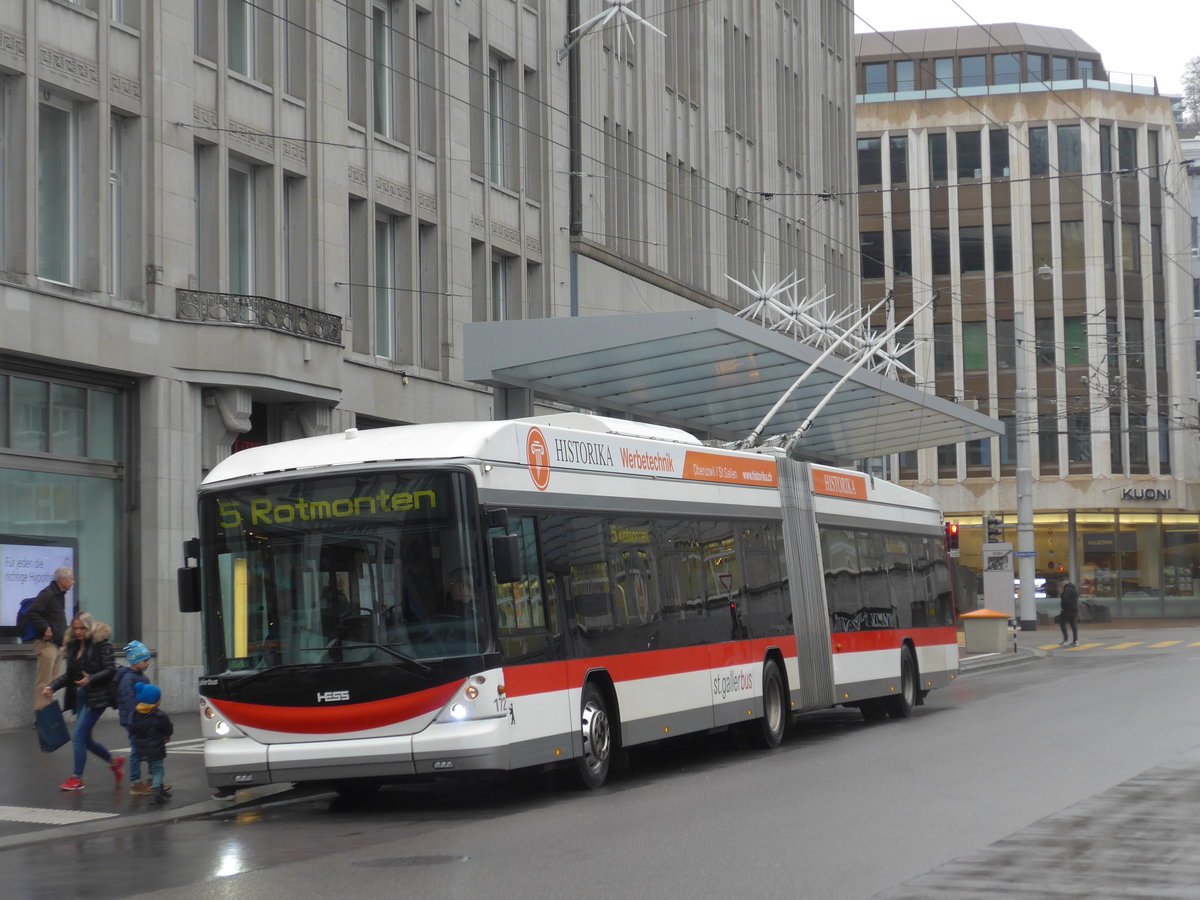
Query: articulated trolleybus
pixel 433 599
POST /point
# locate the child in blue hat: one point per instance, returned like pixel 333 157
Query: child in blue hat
pixel 150 729
pixel 128 678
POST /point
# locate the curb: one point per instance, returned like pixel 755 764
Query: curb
pixel 982 661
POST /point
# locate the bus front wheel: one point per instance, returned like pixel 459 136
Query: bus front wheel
pixel 596 730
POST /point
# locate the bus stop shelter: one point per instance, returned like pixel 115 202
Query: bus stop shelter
pixel 712 374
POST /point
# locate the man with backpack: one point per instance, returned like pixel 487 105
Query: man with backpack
pixel 48 616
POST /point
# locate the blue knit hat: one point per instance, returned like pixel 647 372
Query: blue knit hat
pixel 136 652
pixel 145 692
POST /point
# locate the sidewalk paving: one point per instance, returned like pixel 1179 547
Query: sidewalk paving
pixel 31 803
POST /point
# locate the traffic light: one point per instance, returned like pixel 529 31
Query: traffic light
pixel 952 537
pixel 995 529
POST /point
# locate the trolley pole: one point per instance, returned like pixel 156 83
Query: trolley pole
pixel 1027 604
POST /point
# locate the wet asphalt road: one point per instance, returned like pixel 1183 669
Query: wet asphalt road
pixel 1077 774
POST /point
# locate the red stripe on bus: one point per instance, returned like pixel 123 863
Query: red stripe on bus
pixel 544 677
pixel 335 719
pixel 861 641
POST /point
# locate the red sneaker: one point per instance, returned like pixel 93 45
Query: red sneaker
pixel 74 783
pixel 118 768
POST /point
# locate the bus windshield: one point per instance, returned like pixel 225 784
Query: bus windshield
pixel 374 567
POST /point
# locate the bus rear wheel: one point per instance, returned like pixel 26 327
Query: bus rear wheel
pixel 767 732
pixel 596 730
pixel 900 706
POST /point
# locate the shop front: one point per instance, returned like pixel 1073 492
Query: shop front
pixel 1127 564
pixel 63 469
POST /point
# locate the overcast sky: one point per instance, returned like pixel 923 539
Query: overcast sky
pixel 1145 37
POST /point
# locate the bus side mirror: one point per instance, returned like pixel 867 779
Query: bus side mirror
pixel 506 558
pixel 189 588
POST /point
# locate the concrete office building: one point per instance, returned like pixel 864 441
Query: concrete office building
pixel 229 223
pixel 1042 198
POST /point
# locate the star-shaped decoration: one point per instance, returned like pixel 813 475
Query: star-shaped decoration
pixel 616 9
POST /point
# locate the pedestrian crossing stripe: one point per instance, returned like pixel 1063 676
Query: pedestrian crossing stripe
pixel 1084 647
pixel 36 816
pixel 1126 645
pixel 1197 644
pixel 1164 644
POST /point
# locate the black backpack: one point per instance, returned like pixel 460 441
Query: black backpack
pixel 26 630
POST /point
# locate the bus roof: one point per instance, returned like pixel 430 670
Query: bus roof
pixel 491 440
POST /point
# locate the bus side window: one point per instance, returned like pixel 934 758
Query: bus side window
pixel 520 605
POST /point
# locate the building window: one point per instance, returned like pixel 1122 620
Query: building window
pixel 1075 344
pixel 382 69
pixel 241 37
pixel 1131 256
pixel 1044 343
pixel 294 34
pixel 1035 67
pixel 947 457
pixel 242 225
pixel 1002 248
pixel 979 453
pixel 204 40
pixel 116 203
pixel 970 248
pixel 1072 246
pixel 1006 344
pixel 1085 68
pixel 870 166
pixel 1127 150
pixel 940 245
pixel 1152 153
pixel 970 155
pixel 1008 441
pixel 943 348
pixel 58 201
pixel 295 241
pixel 429 332
pixel 501 126
pixel 532 128
pixel 998 151
pixel 1039 152
pixel 1048 442
pixel 875 76
pixel 1105 148
pixel 943 72
pixel 938 166
pixel 1043 246
pixel 899 159
pixel 387 255
pixel 1070 156
pixel 901 251
pixel 905 75
pixel 427 88
pixel 1060 68
pixel 1110 245
pixel 871 247
pixel 974 346
pixel 974 71
pixel 1006 68
pixel 1079 437
pixel 500 269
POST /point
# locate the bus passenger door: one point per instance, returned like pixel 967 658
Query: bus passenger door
pixel 530 638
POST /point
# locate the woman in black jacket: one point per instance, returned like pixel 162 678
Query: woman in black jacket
pixel 90 667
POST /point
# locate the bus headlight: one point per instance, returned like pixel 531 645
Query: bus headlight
pixel 222 728
pixel 458 711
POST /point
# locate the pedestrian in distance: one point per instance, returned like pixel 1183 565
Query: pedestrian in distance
pixel 150 730
pixel 48 615
pixel 1068 598
pixel 88 678
pixel 127 679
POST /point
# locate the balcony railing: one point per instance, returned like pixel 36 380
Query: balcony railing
pixel 258 312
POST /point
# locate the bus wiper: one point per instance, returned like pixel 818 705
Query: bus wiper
pixel 419 668
pixel 241 682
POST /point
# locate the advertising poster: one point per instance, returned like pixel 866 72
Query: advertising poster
pixel 26 568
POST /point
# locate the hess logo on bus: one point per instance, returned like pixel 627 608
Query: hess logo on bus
pixel 537 455
pixel 332 696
